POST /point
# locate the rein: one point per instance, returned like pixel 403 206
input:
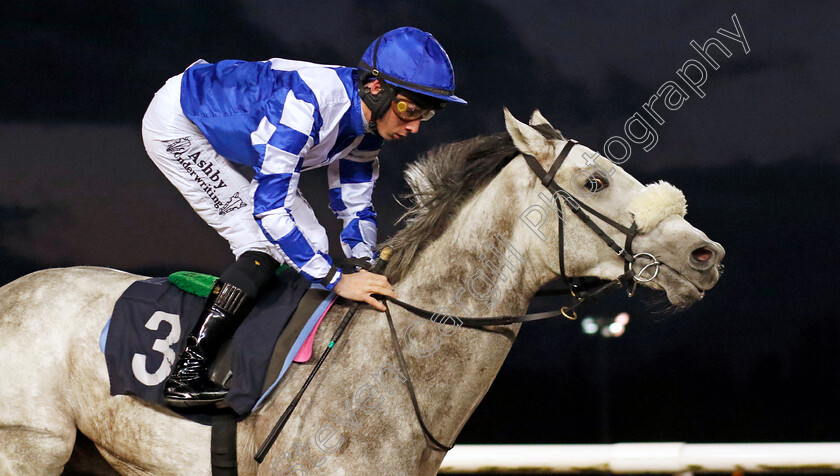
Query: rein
pixel 626 279
pixel 580 295
pixel 579 208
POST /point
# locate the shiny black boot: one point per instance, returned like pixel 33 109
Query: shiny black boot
pixel 189 385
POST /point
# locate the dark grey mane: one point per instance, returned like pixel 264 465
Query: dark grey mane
pixel 440 182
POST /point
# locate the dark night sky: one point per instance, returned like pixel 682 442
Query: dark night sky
pixel 757 158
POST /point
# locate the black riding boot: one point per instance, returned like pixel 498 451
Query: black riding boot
pixel 189 384
pixel 229 302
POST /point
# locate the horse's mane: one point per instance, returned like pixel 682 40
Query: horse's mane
pixel 440 182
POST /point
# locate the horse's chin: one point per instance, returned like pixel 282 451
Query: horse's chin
pixel 681 292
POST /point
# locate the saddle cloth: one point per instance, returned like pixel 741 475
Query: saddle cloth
pixel 151 320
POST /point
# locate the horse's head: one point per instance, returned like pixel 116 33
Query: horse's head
pixel 690 261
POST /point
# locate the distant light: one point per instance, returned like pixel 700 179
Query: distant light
pixel 605 332
pixel 589 325
pixel 616 329
pixel 622 318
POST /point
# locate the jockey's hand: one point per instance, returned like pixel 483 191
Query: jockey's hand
pixel 360 286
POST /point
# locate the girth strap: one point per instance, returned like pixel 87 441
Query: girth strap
pixel 223 443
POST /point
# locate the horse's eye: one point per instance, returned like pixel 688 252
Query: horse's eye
pixel 596 183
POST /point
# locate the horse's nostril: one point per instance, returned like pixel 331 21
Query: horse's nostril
pixel 702 254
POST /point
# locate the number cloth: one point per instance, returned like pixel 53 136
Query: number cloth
pixel 150 323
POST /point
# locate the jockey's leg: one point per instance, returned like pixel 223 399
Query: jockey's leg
pixel 220 193
pixel 216 188
pixel 230 301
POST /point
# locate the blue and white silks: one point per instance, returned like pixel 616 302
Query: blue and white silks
pixel 282 117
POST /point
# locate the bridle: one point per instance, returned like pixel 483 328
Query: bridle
pixel 629 279
pixel 547 179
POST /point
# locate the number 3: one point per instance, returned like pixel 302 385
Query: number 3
pixel 164 346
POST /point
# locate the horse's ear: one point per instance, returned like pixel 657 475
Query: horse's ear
pixel 525 137
pixel 537 118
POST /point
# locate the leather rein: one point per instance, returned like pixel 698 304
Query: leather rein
pixel 627 279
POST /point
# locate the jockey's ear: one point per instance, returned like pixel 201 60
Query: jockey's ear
pixel 374 85
pixel 526 138
pixel 537 118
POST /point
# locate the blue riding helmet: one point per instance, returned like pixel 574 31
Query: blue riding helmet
pixel 412 59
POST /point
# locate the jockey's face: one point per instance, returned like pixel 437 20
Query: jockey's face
pixel 390 126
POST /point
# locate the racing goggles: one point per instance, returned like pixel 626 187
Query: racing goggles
pixel 407 111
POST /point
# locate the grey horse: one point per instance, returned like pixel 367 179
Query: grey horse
pixel 473 245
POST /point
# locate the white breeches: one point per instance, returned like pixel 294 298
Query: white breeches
pixel 220 194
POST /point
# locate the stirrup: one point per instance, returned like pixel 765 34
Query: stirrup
pixel 192 400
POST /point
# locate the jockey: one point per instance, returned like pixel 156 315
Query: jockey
pixel 233 138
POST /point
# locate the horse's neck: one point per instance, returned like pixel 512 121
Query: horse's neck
pixel 479 267
pixel 486 249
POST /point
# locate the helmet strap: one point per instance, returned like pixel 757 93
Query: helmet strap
pixel 378 103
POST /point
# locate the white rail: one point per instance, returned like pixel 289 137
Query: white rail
pixel 643 458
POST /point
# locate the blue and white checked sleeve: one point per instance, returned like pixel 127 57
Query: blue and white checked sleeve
pixel 284 135
pixel 351 181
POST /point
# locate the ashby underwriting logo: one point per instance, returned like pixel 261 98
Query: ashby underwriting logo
pixel 235 203
pixel 211 183
pixel 208 170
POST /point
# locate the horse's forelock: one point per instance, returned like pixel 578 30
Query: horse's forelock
pixel 548 132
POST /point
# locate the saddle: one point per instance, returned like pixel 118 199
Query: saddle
pixel 293 345
pixel 152 318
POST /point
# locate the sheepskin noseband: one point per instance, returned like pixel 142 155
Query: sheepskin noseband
pixel 657 202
